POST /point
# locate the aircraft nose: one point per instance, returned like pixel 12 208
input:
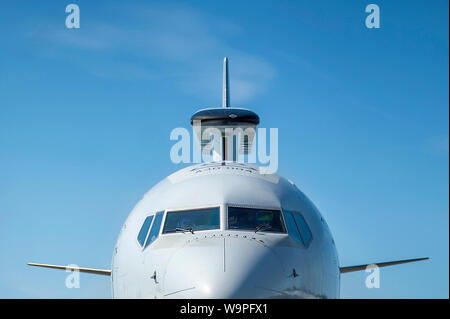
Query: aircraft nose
pixel 225 266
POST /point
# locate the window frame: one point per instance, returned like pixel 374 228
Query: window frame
pixel 170 210
pixel 300 238
pixel 148 230
pixel 283 222
pixel 163 212
pixel 293 212
pixel 179 211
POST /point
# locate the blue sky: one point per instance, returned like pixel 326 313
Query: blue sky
pixel 86 114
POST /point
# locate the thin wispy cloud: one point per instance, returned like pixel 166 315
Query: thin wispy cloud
pixel 190 42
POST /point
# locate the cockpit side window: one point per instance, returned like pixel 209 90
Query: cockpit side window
pixel 255 219
pixel 144 230
pixel 154 231
pixel 292 227
pixel 192 220
pixel 297 227
pixel 304 229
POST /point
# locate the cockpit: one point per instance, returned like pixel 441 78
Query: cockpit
pixel 236 219
pixel 192 220
pixel 255 219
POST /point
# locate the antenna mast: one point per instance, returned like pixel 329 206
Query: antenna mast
pixel 222 119
pixel 226 85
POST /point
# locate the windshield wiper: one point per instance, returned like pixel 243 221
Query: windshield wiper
pixel 262 227
pixel 187 229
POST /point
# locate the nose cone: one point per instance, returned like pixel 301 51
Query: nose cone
pixel 224 266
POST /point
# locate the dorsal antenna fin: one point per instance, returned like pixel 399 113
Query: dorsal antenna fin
pixel 226 85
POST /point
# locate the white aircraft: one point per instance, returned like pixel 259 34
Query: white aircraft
pixel 225 229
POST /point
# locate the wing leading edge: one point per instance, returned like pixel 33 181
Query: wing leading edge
pixel 344 270
pixel 104 272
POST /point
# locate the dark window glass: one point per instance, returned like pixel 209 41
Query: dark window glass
pixel 155 228
pixel 292 226
pixel 252 219
pixel 196 219
pixel 144 230
pixel 304 229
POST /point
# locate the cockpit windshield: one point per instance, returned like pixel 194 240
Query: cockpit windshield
pixel 192 220
pixel 255 219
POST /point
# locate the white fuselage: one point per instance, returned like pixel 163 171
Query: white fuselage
pixel 225 263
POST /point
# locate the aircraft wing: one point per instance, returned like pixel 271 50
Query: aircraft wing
pixel 344 270
pixel 104 272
